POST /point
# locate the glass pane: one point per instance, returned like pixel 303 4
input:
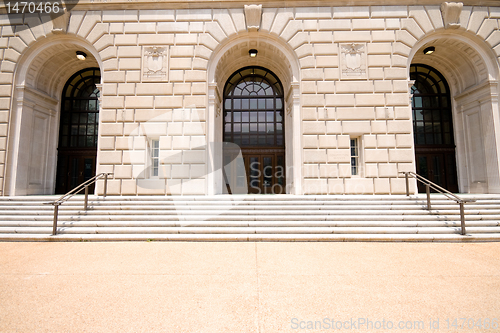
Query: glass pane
pixel 444 102
pixel 237 117
pixel 262 104
pixel 437 168
pixel 270 116
pixel 429 139
pixel 279 118
pixel 254 168
pixel 419 115
pixel 237 104
pixel 245 128
pixel 268 171
pixel 279 128
pixel 74 172
pixel 447 139
pixel 262 117
pixel 253 104
pixel 270 128
pixel 90 141
pixel 92 105
pixel 417 102
pixel 422 167
pixel 240 172
pixel 253 117
pixel 245 117
pixel 245 104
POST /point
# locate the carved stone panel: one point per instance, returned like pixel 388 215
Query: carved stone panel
pixel 253 14
pixel 155 64
pixel 451 14
pixel 353 61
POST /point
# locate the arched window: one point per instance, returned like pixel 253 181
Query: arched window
pixel 432 122
pixel 253 108
pixel 80 110
pixel 433 127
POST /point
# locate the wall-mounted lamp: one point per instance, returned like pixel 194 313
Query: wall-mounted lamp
pixel 252 53
pixel 81 55
pixel 429 50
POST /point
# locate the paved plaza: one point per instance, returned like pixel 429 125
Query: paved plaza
pixel 249 287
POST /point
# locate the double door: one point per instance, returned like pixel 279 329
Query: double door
pixel 265 172
pixel 75 168
pixel 260 171
pixel 439 167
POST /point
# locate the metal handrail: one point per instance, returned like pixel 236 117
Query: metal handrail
pixel 436 187
pixel 74 191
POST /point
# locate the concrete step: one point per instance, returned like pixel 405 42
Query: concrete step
pixel 280 217
pixel 256 237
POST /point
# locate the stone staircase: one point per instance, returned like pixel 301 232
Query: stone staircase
pixel 251 218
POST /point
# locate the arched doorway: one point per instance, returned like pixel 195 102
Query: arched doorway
pixel 77 149
pixel 433 127
pixel 254 120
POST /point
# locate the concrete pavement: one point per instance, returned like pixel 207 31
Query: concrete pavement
pixel 249 287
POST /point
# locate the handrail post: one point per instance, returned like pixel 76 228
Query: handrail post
pixel 407 185
pixel 462 217
pixel 54 226
pixel 105 184
pixel 428 191
pixel 86 197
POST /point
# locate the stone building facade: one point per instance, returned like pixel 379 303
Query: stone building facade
pixel 354 98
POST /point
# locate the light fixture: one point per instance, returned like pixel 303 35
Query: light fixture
pixel 81 55
pixel 429 50
pixel 253 53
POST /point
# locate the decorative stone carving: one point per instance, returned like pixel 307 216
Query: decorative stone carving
pixel 60 22
pixel 155 64
pixel 353 61
pixel 253 14
pixel 451 14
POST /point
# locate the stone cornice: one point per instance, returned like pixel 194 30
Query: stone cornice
pixel 193 4
pixel 479 93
